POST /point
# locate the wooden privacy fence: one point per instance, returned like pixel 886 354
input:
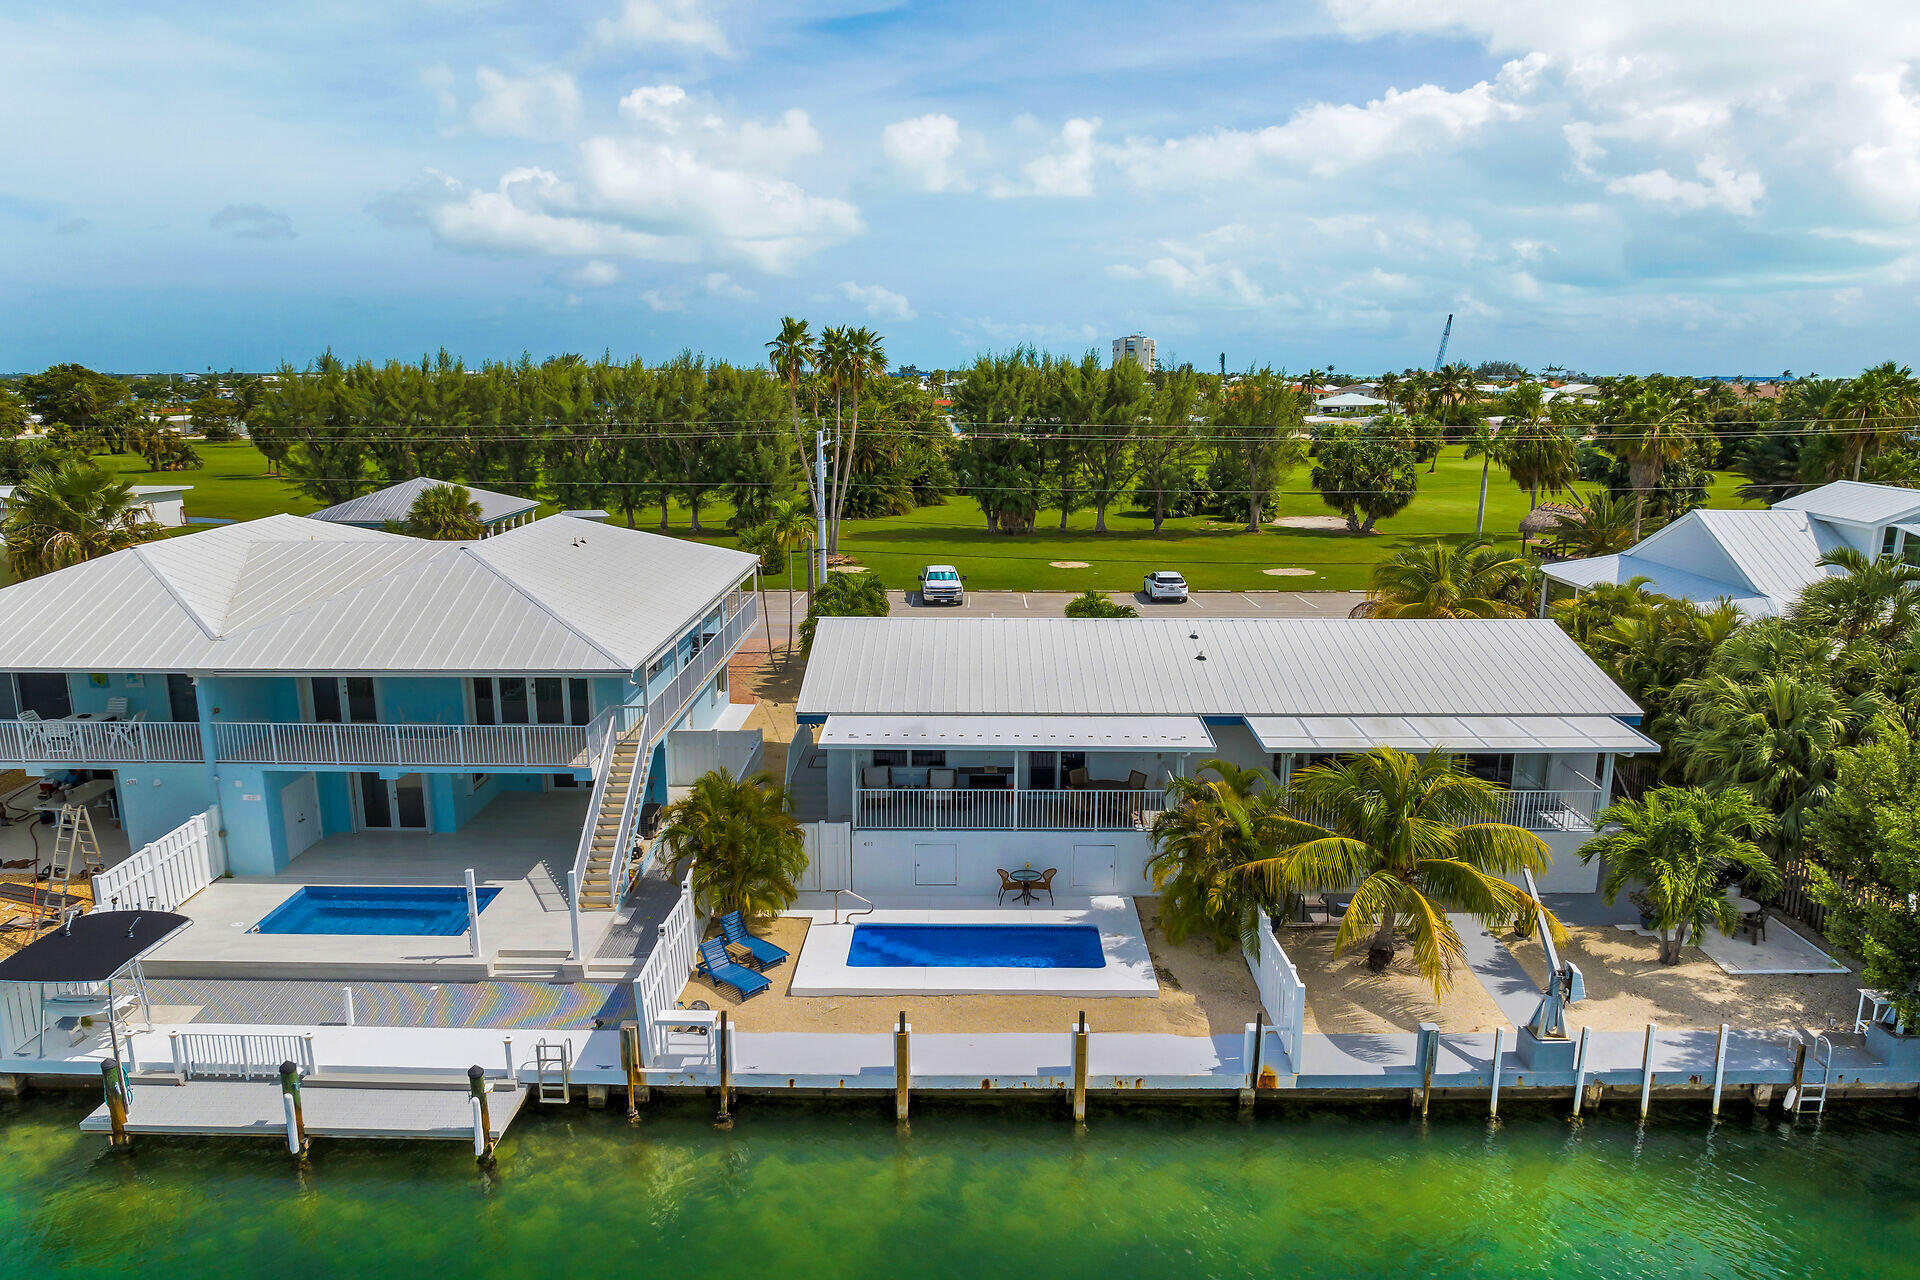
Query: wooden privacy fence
pixel 167 872
pixel 1282 994
pixel 665 973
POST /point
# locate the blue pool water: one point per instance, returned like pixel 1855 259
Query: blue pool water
pixel 976 946
pixel 413 910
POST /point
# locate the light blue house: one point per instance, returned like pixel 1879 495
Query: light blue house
pixel 309 679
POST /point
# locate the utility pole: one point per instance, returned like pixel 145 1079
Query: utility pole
pixel 820 503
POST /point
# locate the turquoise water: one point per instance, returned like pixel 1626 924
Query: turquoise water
pixel 793 1193
pixel 976 946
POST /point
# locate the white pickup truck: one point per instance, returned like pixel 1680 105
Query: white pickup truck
pixel 942 584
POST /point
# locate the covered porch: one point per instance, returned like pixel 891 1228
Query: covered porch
pixel 520 845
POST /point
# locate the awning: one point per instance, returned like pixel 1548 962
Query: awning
pixel 1455 733
pixel 92 947
pixel 1032 733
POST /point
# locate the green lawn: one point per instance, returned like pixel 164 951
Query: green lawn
pixel 234 484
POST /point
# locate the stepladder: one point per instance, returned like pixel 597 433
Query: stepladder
pixel 76 849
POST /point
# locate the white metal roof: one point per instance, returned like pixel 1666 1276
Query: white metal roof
pixel 1455 733
pixel 1855 502
pixel 1202 666
pixel 1761 560
pixel 288 594
pixel 1662 579
pixel 1045 733
pixel 395 502
pixel 1349 400
pixel 138 490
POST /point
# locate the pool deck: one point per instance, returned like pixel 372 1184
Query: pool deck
pixel 822 968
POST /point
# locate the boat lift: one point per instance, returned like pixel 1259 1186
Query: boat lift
pixel 1565 983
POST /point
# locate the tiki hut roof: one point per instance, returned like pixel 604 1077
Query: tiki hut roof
pixel 1547 518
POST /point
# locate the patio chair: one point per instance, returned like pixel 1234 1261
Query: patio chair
pixel 116 709
pixel 721 969
pixel 1136 780
pixel 877 776
pixel 943 779
pixel 1007 884
pixel 1045 883
pixel 56 738
pixel 1077 780
pixel 763 954
pixel 30 717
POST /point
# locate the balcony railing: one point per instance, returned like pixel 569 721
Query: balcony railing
pixel 1570 810
pixel 470 746
pixel 968 809
pixel 100 741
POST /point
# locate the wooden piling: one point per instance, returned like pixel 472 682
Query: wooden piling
pixel 630 1064
pixel 1792 1099
pixel 290 1089
pixel 1080 1069
pixel 902 1069
pixel 724 1049
pixel 114 1088
pixel 483 1139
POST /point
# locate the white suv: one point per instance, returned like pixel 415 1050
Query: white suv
pixel 942 584
pixel 1165 584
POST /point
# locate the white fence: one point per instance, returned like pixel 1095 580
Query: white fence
pixel 167 872
pixel 1282 994
pixel 20 1013
pixel 477 746
pixel 104 741
pixel 829 856
pixel 239 1055
pixel 693 753
pixel 665 973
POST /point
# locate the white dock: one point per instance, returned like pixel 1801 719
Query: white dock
pixel 222 1108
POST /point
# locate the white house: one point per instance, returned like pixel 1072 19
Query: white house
pixel 162 503
pixel 391 505
pixel 946 749
pixel 1760 560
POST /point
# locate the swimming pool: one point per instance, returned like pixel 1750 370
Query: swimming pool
pixel 432 911
pixel 976 946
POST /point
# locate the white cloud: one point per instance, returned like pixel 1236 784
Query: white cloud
pixel 1720 188
pixel 252 222
pixel 718 284
pixel 1187 271
pixel 880 303
pixel 658 301
pixel 595 275
pixel 1066 169
pixel 1883 164
pixel 649 24
pixel 684 185
pixel 928 151
pixel 545 104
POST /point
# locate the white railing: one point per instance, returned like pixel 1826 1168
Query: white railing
pixel 967 809
pixel 471 746
pixel 665 972
pixel 1282 994
pixel 630 813
pixel 1569 810
pixel 167 872
pixel 233 1055
pixel 21 1013
pixel 603 761
pixel 101 741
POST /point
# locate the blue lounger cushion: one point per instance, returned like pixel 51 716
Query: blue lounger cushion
pixel 763 953
pixel 721 968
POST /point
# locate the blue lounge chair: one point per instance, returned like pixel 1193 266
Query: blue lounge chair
pixel 720 968
pixel 763 953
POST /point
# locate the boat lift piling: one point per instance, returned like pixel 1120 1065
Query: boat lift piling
pixel 1080 1069
pixel 724 1048
pixel 902 1063
pixel 297 1144
pixel 482 1122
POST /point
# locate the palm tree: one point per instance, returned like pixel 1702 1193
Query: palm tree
pixel 59 516
pixel 746 850
pixel 1680 843
pixel 1872 597
pixel 856 358
pixel 787 530
pixel 1537 453
pixel 1439 579
pixel 836 360
pixel 1874 410
pixel 1602 527
pixel 1210 829
pixel 1483 444
pixel 1776 737
pixel 1654 434
pixel 791 355
pixel 1413 833
pixel 445 513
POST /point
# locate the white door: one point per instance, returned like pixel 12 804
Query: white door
pixel 935 864
pixel 300 810
pixel 1093 866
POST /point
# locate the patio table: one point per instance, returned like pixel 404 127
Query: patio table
pixel 1026 878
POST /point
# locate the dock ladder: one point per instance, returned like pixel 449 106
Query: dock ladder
pixel 553 1071
pixel 1812 1094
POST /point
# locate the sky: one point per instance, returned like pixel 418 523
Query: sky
pixel 1693 186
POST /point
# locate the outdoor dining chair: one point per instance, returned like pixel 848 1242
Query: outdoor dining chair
pixel 116 709
pixel 1045 883
pixel 1007 884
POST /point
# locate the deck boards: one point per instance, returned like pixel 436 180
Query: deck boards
pixel 213 1108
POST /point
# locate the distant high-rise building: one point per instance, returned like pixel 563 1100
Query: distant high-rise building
pixel 1136 347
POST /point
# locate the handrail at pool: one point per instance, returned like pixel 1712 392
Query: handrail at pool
pixel 851 894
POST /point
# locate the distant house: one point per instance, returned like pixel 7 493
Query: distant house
pixel 498 511
pixel 163 503
pixel 1760 560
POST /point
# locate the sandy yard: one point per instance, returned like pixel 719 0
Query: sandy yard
pixel 774 684
pixel 1628 987
pixel 1342 997
pixel 1202 992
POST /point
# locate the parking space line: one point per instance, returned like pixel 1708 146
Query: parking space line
pixel 1250 600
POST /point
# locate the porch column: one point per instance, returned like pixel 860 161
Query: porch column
pixel 1606 780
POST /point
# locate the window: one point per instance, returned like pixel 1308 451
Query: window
pixel 549 700
pixel 1494 769
pixel 483 700
pixel 40 692
pixel 1887 539
pixel 720 683
pixel 513 699
pixel 182 704
pixel 898 759
pixel 338 699
pixel 531 700
pixel 929 759
pixel 579 702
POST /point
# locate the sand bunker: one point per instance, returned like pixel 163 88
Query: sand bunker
pixel 1070 564
pixel 1288 573
pixel 1338 524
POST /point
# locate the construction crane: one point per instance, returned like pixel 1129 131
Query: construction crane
pixel 1445 335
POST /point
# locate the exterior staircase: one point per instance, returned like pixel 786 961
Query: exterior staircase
pixel 596 887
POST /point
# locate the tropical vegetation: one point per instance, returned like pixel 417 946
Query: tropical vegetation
pixel 70 511
pixel 744 848
pixel 444 513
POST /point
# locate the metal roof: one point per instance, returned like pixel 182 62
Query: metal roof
pixel 1045 733
pixel 1455 733
pixel 1772 556
pixel 1202 666
pixel 1855 502
pixel 394 502
pixel 1661 578
pixel 288 594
